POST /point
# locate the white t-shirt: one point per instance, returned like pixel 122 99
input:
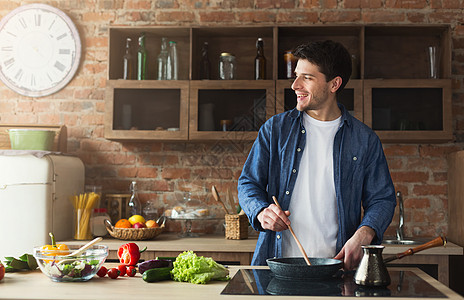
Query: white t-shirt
pixel 313 206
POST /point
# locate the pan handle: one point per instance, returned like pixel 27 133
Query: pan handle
pixel 439 241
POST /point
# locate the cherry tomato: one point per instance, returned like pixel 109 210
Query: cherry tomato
pixel 113 273
pixel 131 270
pixel 122 270
pixel 102 272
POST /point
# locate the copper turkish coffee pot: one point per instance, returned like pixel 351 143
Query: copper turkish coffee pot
pixel 372 271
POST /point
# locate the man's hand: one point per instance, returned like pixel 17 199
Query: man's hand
pixel 273 218
pixel 351 252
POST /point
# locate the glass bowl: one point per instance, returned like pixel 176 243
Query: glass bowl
pixel 83 267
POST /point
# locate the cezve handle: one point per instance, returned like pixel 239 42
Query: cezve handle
pixel 439 241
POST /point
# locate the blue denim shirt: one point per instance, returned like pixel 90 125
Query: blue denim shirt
pixel 361 176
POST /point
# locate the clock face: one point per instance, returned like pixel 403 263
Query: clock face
pixel 40 50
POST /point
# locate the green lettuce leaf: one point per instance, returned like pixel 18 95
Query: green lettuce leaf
pixel 197 269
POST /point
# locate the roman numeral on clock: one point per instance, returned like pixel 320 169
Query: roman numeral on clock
pixel 61 36
pixel 23 22
pixel 59 66
pixel 8 63
pixel 37 20
pixel 19 74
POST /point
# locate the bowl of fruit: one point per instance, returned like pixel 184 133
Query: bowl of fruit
pixel 136 228
pixel 59 263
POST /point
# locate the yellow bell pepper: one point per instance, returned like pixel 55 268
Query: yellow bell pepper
pixel 54 249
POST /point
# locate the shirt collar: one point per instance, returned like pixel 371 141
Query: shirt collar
pixel 346 117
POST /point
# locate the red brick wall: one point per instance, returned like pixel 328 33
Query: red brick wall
pixel 418 170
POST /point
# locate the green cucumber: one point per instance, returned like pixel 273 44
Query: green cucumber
pixel 157 274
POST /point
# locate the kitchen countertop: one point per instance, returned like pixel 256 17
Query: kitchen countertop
pixel 218 243
pixel 35 285
pixel 240 252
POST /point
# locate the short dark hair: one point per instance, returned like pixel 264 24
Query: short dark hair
pixel 331 57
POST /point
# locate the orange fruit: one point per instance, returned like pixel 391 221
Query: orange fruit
pixel 123 223
pixel 136 219
pixel 151 224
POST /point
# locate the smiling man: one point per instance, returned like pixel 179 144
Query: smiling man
pixel 325 167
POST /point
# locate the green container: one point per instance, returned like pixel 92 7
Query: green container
pixel 31 139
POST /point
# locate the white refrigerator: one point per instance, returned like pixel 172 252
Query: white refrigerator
pixel 34 199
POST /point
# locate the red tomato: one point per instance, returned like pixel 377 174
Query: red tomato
pixel 113 273
pixel 131 270
pixel 102 272
pixel 2 271
pixel 122 270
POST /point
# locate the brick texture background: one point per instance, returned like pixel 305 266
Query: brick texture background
pixel 164 170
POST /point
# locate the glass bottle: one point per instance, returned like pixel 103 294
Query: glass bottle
pixel 163 60
pixel 172 67
pixel 205 66
pixel 260 60
pixel 141 58
pixel 134 206
pixel 227 66
pixel 128 62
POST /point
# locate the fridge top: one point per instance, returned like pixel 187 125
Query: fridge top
pixel 30 169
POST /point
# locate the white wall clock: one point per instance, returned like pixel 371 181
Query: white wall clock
pixel 40 50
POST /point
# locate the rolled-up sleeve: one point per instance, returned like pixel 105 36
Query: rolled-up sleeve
pixel 378 193
pixel 253 181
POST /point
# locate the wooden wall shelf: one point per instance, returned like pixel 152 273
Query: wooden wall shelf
pixel 390 90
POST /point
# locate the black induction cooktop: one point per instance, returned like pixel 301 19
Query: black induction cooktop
pixel 263 282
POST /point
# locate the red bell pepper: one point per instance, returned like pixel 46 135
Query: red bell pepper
pixel 129 254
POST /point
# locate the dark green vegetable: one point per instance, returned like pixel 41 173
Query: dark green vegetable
pixel 23 263
pixel 157 274
pixel 154 263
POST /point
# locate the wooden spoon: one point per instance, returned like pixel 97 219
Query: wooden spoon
pixel 294 236
pixel 85 247
pixel 218 199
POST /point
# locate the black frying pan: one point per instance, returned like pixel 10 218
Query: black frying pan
pixel 296 267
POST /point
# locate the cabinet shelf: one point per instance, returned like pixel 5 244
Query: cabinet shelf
pixel 414 110
pixel 146 110
pixel 246 105
pixel 389 89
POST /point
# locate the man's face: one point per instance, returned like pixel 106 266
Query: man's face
pixel 310 86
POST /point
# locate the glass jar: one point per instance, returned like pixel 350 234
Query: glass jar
pixel 290 64
pixel 150 212
pixel 97 222
pixel 227 66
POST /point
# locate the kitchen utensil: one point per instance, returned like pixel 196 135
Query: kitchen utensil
pixel 85 247
pixel 230 199
pixel 296 268
pixel 372 270
pixel 294 236
pixel 218 199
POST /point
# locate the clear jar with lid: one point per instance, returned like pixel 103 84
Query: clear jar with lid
pixel 97 222
pixel 290 64
pixel 227 66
